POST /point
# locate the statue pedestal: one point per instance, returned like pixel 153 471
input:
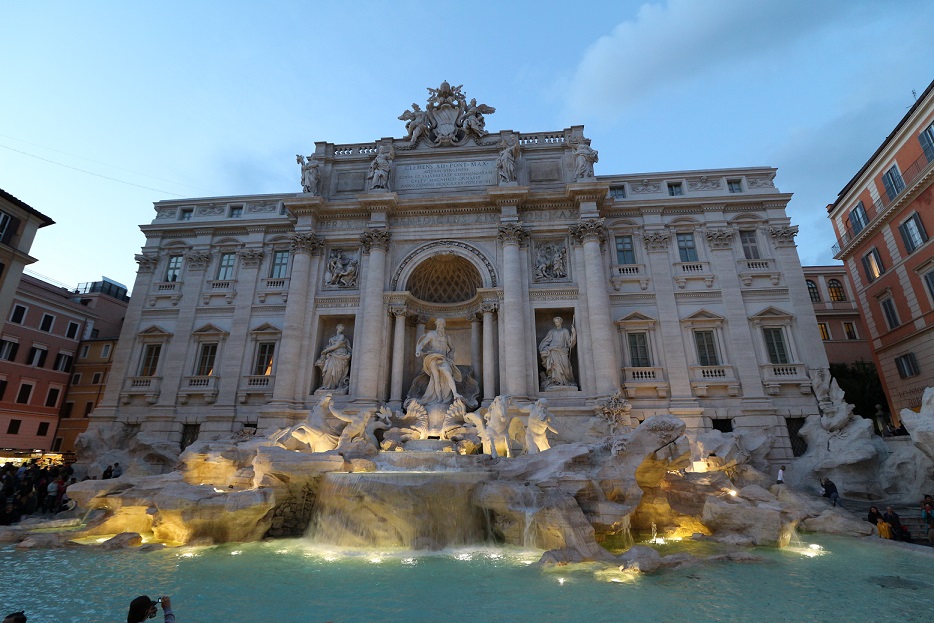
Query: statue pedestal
pixel 336 392
pixel 429 445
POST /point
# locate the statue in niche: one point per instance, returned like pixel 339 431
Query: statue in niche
pixel 378 174
pixel 334 361
pixel 342 269
pixel 584 158
pixel 416 123
pixel 506 162
pixel 551 262
pixel 311 174
pixel 536 430
pixel 438 364
pixel 555 352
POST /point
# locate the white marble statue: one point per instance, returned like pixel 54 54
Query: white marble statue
pixel 536 429
pixel 378 174
pixel 334 361
pixel 355 428
pixel 584 158
pixel 438 364
pixel 416 123
pixel 472 118
pixel 311 174
pixel 497 422
pixel 342 269
pixel 506 162
pixel 555 352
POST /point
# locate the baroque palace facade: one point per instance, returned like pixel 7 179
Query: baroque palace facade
pixel 682 291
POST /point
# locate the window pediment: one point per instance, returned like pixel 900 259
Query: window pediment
pixel 703 318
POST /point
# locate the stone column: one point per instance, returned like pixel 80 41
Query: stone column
pixel 489 354
pixel 303 247
pixel 475 361
pixel 367 354
pixel 591 233
pixel 511 235
pixel 398 355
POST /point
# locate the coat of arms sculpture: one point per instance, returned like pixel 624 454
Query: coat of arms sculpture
pixel 448 119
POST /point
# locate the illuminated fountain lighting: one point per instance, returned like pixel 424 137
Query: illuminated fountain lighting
pixel 376 560
pixel 410 561
pixel 464 556
pixel 236 552
pixel 561 581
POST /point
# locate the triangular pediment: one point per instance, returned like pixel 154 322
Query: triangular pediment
pixel 704 314
pixel 266 328
pixel 770 313
pixel 154 331
pixel 636 317
pixel 209 329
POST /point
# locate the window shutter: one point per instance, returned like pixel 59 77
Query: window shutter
pixel 869 277
pixel 889 189
pixel 42 355
pixel 906 237
pixel 13 351
pixel 926 145
pixel 11 229
pixel 917 219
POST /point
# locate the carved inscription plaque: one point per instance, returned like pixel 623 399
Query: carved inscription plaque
pixel 445 175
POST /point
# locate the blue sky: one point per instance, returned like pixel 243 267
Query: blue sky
pixel 192 99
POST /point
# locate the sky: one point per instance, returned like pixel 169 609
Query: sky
pixel 108 107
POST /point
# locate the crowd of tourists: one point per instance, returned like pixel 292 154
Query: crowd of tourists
pixel 890 526
pixel 31 489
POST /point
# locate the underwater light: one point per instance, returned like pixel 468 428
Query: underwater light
pixel 815 546
pixel 561 581
pixel 236 552
pixel 732 492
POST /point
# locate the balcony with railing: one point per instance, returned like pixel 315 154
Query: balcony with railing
pixel 874 210
pixel 273 286
pixel 145 386
pixel 225 288
pixel 774 375
pixel 256 384
pixel 645 381
pixel 621 274
pixel 751 270
pixel 705 377
pixel 199 385
pixel 688 271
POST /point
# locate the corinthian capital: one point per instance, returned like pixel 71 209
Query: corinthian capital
pixel 305 243
pixel 784 236
pixel 591 229
pixel 375 239
pixel 147 262
pixel 512 233
pixel 657 240
pixel 197 260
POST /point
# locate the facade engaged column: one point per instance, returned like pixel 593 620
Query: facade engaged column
pixel 303 246
pixel 592 235
pixel 375 244
pixel 475 360
pixel 398 355
pixel 514 378
pixel 489 354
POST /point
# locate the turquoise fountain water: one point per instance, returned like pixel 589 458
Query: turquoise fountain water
pixel 296 580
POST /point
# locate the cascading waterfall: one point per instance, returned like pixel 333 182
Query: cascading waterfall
pixel 412 510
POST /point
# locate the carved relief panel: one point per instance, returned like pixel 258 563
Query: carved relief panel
pixel 550 261
pixel 342 268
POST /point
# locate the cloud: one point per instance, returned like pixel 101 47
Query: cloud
pixel 680 41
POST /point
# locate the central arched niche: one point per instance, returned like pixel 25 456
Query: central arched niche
pixel 444 278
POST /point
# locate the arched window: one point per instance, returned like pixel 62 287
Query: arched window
pixel 837 293
pixel 813 291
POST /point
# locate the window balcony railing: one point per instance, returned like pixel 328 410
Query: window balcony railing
pixel 168 286
pixel 204 385
pixel 774 375
pixel 273 285
pixel 877 207
pixel 647 379
pixel 757 266
pixel 685 271
pixel 643 374
pixel 623 273
pixel 256 384
pixel 703 377
pixel 748 270
pixel 147 386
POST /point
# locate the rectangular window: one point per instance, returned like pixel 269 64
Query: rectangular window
pixel 96 379
pixel 57 444
pixel 907 366
pixel 225 267
pixel 706 348
pixel 3 384
pixel 85 350
pixel 849 330
pixel 891 314
pixel 43 429
pixel 857 218
pixel 675 189
pixel 8 350
pixel 929 280
pixel 88 407
pixel 8 226
pixel 19 312
pixel 824 331
pixel 189 434
pixel 618 192
pixel 185 214
pixel 625 253
pixel 927 142
pixel 24 394
pixel 63 362
pixel 686 248
pixel 37 355
pixel 639 350
pixel 67 408
pixel 893 182
pixel 775 345
pixel 913 234
pixel 236 211
pixel 150 360
pixel 264 355
pixel 76 379
pixel 872 263
pixel 734 186
pixel 750 245
pixel 13 427
pixel 174 269
pixel 206 356
pixel 51 399
pixel 72 331
pixel 46 324
pixel 105 351
pixel 280 265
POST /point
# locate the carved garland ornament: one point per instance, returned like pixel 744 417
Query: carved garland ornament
pixel 375 239
pixel 645 187
pixel 588 230
pixel 657 240
pixel 198 260
pixel 720 238
pixel 251 257
pixel 305 243
pixel 704 183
